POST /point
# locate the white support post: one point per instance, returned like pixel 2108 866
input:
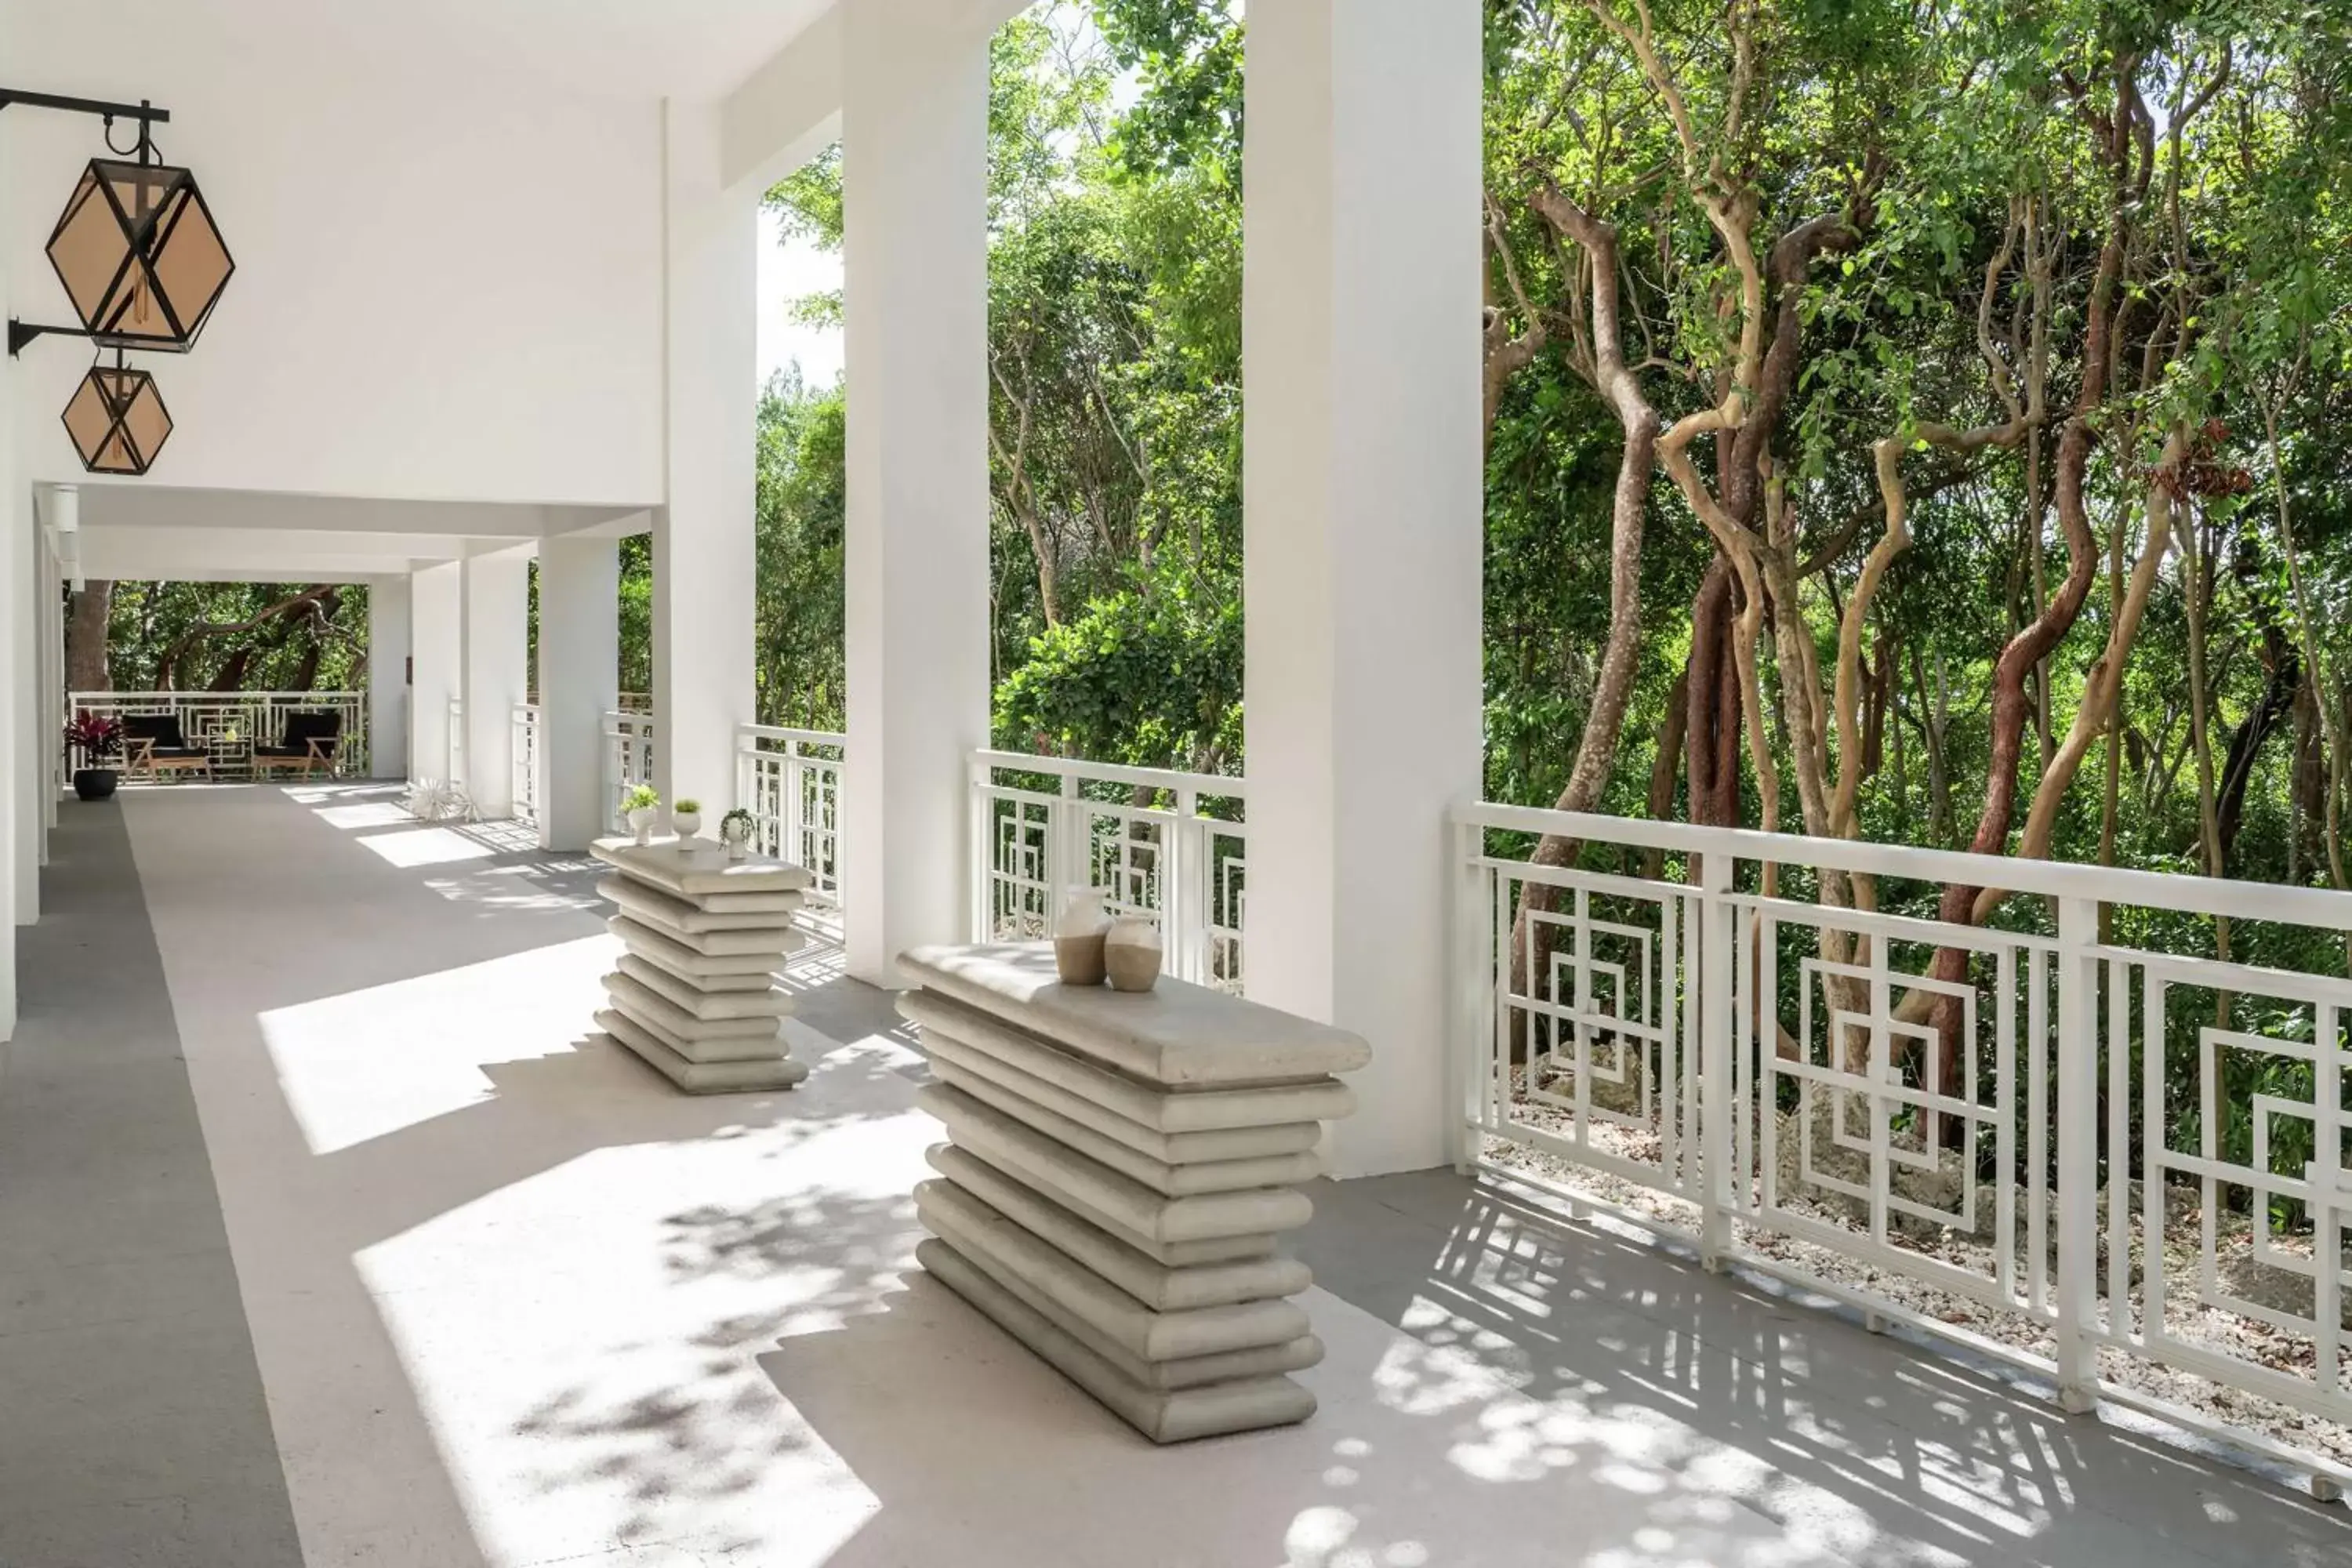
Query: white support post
pixel 2077 1295
pixel 15 513
pixel 437 607
pixel 30 757
pixel 579 683
pixel 915 161
pixel 1718 936
pixel 389 615
pixel 705 552
pixel 497 674
pixel 1364 495
pixel 53 691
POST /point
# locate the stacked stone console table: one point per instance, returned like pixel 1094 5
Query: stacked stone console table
pixel 1117 1171
pixel 696 995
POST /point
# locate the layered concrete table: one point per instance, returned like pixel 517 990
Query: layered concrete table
pixel 696 995
pixel 1117 1171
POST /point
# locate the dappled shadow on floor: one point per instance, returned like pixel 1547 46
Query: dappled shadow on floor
pixel 1870 1446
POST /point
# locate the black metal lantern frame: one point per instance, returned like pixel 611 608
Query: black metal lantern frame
pixel 138 254
pixel 143 263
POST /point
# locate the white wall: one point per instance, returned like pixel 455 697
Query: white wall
pixel 449 285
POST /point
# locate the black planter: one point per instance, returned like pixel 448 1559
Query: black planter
pixel 94 784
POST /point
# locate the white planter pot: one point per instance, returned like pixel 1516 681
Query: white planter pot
pixel 641 823
pixel 686 822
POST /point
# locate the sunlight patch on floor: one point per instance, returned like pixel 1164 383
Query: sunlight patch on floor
pixel 368 1063
pixel 426 846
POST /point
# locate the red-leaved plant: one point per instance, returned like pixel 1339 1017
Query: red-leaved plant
pixel 95 736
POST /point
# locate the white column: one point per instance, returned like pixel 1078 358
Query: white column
pixel 15 513
pixel 704 550
pixel 579 683
pixel 914 147
pixel 389 612
pixel 23 657
pixel 1362 494
pixel 438 647
pixel 497 674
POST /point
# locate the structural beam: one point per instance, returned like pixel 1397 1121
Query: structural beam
pixel 705 561
pixel 1362 493
pixel 914 146
pixel 579 683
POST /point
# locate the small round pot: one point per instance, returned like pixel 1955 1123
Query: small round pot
pixel 737 849
pixel 94 784
pixel 685 823
pixel 641 823
pixel 1131 953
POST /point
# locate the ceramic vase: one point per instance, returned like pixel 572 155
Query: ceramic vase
pixel 1078 939
pixel 641 823
pixel 685 823
pixel 1131 953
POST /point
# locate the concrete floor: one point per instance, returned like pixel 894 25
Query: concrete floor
pixel 500 1298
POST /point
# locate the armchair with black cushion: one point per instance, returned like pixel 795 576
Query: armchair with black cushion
pixel 308 746
pixel 154 743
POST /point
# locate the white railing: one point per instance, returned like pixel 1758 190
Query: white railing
pixel 2078 1142
pixel 1153 842
pixel 231 723
pixel 525 750
pixel 790 781
pixel 628 761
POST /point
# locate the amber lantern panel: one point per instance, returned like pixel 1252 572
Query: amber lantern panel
pixel 117 420
pixel 140 254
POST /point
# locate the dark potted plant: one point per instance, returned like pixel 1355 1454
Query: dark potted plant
pixel 97 740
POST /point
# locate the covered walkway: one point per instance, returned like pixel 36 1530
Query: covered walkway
pixel 332 1238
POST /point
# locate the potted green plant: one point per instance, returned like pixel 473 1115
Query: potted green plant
pixel 685 817
pixel 641 804
pixel 736 830
pixel 97 740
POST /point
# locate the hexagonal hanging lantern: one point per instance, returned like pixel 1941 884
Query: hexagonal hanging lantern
pixel 140 254
pixel 117 419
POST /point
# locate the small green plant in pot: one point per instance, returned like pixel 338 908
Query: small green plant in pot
pixel 685 817
pixel 641 804
pixel 736 830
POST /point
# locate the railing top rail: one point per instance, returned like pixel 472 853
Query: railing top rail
pixel 2319 907
pixel 322 695
pixel 522 707
pixel 746 733
pixel 1220 785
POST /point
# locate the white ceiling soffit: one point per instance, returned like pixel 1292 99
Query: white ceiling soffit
pixel 691 49
pixel 163 507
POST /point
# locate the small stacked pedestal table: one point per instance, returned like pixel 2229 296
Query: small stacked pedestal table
pixel 1117 1168
pixel 696 995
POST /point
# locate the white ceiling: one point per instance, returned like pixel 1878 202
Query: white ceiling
pixel 639 48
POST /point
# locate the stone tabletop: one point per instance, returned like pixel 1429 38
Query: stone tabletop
pixel 697 867
pixel 1179 1035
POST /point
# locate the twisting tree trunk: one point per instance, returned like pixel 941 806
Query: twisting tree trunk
pixel 88 668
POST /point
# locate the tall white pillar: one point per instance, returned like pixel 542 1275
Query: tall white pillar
pixel 436 603
pixel 915 167
pixel 1363 499
pixel 579 683
pixel 389 612
pixel 23 656
pixel 498 673
pixel 15 513
pixel 705 556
